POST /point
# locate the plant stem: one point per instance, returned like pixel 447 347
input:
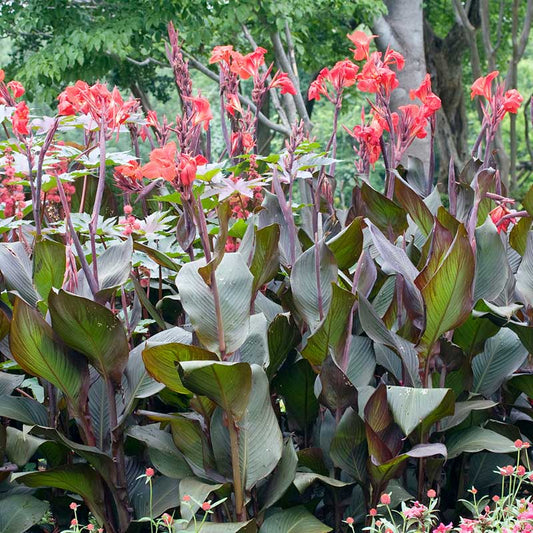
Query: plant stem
pixel 93 224
pixel 117 446
pixel 240 510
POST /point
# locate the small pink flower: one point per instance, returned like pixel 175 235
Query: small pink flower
pixel 186 498
pixel 90 527
pixel 520 470
pixel 73 522
pixel 73 506
pixel 349 520
pixel 518 444
pixel 431 493
pixel 206 506
pixel 385 499
pixel 149 472
pixel 372 512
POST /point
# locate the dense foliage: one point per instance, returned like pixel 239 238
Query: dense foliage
pixel 228 350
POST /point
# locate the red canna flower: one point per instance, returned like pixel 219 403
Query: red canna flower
pixel 426 96
pixel 97 101
pixel 16 88
pixel 131 169
pixel 282 81
pixel 512 100
pixel 221 53
pixel 343 74
pixel 483 86
pixel 362 44
pixel 187 168
pixel 2 75
pixel 202 110
pixel 497 214
pixel 377 77
pixel 20 119
pixel 162 163
pixel 233 104
pixel 241 142
pixel 247 66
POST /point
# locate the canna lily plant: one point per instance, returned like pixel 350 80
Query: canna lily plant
pixel 221 320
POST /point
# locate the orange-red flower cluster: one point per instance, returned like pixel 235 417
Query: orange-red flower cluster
pixel 97 101
pixel 247 66
pixel 166 163
pixel 342 75
pixel 501 102
pixel 201 110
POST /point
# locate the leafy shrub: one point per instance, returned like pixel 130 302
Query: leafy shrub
pixel 236 330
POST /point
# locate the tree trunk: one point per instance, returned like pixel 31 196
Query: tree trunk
pixel 444 62
pixel 402 29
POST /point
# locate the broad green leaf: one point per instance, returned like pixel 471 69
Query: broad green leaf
pixel 528 201
pixel 305 282
pixel 77 478
pixel 283 336
pixel 448 294
pixel 259 434
pixel 114 265
pixel 164 497
pixel 463 410
pixel 265 260
pixel 303 480
pixel 414 205
pixel 519 233
pixel 159 257
pixel 374 327
pixel 361 361
pixel 191 441
pixel 25 410
pixel 16 269
pixel 254 350
pixel 49 263
pixel 9 382
pixel 382 473
pixel 282 477
pixel 335 390
pixel 348 244
pixel 295 384
pixel 293 520
pixel 20 447
pixel 227 384
pixel 416 175
pixel 33 345
pixel 164 455
pixel 473 333
pixel 160 362
pixel 348 448
pixel 19 512
pixel 414 408
pixel 502 356
pixel 524 275
pixel 140 383
pixel 228 527
pixel 101 461
pixel 388 216
pixel 93 330
pixel 234 283
pixel 332 331
pixel 475 439
pixel 197 490
pixel 490 277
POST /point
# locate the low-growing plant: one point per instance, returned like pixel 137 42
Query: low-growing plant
pixel 232 330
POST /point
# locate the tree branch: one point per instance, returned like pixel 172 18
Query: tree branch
pixel 284 62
